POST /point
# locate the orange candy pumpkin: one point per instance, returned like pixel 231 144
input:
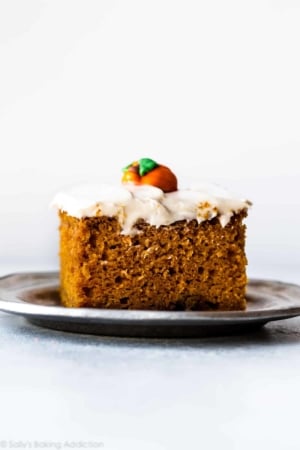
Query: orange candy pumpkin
pixel 147 171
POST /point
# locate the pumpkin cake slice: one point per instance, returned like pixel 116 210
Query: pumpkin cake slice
pixel 144 244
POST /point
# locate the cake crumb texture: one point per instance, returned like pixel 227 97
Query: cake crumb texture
pixel 183 266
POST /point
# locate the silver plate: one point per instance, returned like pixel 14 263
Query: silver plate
pixel 36 297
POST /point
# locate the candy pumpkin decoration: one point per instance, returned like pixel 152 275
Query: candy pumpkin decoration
pixel 147 171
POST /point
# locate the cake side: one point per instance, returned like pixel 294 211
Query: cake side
pixel 185 265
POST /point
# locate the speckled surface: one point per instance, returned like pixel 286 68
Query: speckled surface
pixel 226 392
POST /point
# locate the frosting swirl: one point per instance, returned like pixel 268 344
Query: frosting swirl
pixel 129 203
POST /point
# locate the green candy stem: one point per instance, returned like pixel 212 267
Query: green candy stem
pixel 146 165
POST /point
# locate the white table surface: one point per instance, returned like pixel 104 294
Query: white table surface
pixel 61 390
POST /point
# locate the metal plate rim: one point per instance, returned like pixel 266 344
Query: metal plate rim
pixel 59 316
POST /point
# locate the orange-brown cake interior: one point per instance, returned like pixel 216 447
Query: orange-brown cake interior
pixel 183 266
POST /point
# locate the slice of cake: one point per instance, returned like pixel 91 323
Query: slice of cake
pixel 146 245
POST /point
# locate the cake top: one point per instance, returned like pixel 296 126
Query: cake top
pixel 149 193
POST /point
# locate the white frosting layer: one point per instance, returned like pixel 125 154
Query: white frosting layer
pixel 130 203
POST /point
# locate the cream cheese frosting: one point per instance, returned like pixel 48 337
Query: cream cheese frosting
pixel 129 203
